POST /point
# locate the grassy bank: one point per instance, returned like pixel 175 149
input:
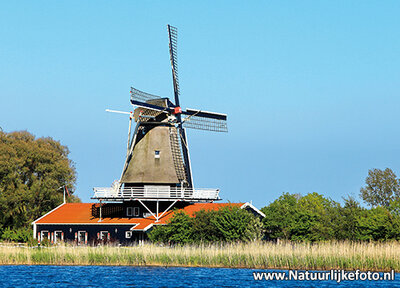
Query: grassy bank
pixel 333 255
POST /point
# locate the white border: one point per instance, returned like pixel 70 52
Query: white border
pixel 34 222
pixel 247 204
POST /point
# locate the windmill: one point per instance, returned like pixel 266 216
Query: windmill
pixel 157 163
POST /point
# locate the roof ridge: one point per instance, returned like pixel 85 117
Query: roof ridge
pixel 51 211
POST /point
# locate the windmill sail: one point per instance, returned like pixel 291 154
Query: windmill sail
pixel 205 120
pixel 142 96
pixel 203 123
pixel 173 53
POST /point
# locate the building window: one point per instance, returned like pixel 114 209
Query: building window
pixel 129 211
pixel 58 236
pixel 157 154
pixel 132 211
pixel 82 237
pixel 44 235
pixel 104 235
pixel 128 234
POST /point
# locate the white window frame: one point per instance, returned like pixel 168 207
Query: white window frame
pixel 61 236
pixel 157 154
pixel 79 236
pixel 129 211
pixel 128 234
pixel 41 234
pixel 136 211
pixel 103 235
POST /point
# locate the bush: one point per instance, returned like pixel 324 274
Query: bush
pixel 17 235
pixel 227 224
pixel 235 224
pixel 178 230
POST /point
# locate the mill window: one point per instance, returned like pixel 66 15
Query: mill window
pixel 157 154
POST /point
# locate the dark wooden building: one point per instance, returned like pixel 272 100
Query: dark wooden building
pixel 125 223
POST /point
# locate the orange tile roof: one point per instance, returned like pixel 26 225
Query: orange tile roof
pixel 191 209
pixel 81 213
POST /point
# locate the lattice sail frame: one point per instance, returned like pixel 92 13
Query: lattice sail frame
pixel 202 123
pixel 173 50
pixel 142 96
pixel 176 145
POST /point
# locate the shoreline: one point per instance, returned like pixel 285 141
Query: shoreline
pixel 257 255
pixel 188 266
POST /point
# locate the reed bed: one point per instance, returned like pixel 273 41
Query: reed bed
pixel 260 255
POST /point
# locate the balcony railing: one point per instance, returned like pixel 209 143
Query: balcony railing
pixel 155 192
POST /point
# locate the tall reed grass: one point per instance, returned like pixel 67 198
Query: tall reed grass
pixel 286 255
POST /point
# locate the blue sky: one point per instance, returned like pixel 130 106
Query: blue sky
pixel 311 88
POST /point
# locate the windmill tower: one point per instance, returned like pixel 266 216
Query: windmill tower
pixel 157 165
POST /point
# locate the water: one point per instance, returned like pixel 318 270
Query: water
pixel 124 276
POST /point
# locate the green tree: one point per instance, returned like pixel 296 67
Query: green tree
pixel 236 224
pixel 382 187
pixel 158 234
pixel 280 216
pixel 308 218
pixel 225 225
pixel 317 218
pixel 394 208
pixel 348 226
pixel 203 228
pixel 378 224
pixel 178 230
pixel 31 172
pixel 17 235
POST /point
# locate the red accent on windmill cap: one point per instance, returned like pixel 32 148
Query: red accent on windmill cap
pixel 177 110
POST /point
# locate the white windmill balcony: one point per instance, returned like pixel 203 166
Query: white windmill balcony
pixel 156 192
